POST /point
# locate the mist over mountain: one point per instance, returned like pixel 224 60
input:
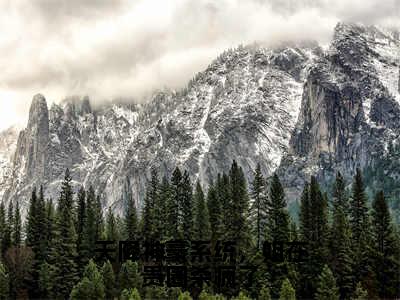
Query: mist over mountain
pixel 132 48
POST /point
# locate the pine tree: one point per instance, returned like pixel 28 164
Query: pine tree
pixel 314 231
pixel 320 229
pixel 148 218
pixel 264 294
pixel 238 211
pixel 360 228
pixel 131 294
pixel 294 232
pixel 135 295
pixel 129 276
pixel 278 216
pixel 360 293
pixel 83 290
pixel 10 221
pixel 201 219
pixel 4 283
pixel 107 273
pixel 237 229
pixel 174 205
pixel 215 212
pixel 174 292
pixel 187 207
pixel 95 222
pixel 91 218
pixel 32 234
pixel 184 296
pixel 99 218
pixel 261 278
pixel 259 206
pixel 49 228
pixel 131 220
pixel 386 263
pixel 287 291
pixel 93 274
pixel 36 238
pixel 162 210
pixel 45 285
pixel 41 221
pixel 3 219
pixel 327 289
pixel 359 210
pixel 66 274
pixel 223 190
pixel 17 227
pixel 305 214
pixel 340 199
pixel 5 231
pixel 111 227
pixel 340 240
pixel 207 295
pixel 277 230
pixel 91 286
pixel 82 244
pixel 156 292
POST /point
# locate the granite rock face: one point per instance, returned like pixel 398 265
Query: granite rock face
pixel 33 142
pixel 30 160
pixel 350 107
pixel 296 109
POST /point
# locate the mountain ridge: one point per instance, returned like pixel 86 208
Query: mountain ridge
pixel 293 109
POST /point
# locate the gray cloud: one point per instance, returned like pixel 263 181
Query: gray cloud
pixel 125 48
pixel 61 11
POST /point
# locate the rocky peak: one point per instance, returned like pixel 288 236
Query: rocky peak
pixel 36 138
pixel 350 106
pixel 85 107
pixel 75 106
pixel 55 113
pixel 39 114
pixel 30 162
pixel 346 28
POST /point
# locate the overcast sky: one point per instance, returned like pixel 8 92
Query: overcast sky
pixel 128 48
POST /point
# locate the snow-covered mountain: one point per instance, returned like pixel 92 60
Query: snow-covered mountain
pixel 350 107
pixel 8 143
pixel 297 109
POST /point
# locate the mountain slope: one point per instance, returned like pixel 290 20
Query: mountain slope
pixel 8 144
pixel 350 107
pixel 297 109
pixel 244 106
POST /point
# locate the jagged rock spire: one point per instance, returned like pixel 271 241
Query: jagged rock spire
pixel 39 113
pixel 33 143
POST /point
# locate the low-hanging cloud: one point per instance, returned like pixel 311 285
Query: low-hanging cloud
pixel 125 48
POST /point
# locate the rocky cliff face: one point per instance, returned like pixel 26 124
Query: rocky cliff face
pixel 350 106
pixel 297 109
pixel 33 142
pixel 30 161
